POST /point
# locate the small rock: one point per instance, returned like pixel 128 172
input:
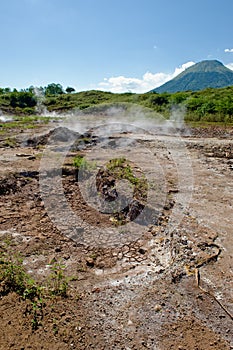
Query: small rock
pixel 96 290
pixel 157 308
pixel 66 257
pixel 58 249
pixel 90 262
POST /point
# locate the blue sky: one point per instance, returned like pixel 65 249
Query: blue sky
pixel 123 45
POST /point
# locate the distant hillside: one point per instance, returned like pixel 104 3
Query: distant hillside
pixel 205 74
pixel 211 105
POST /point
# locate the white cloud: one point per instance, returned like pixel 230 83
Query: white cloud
pixel 182 68
pixel 228 50
pixel 230 66
pixel 148 82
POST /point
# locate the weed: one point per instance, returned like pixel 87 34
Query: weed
pixel 37 313
pixel 58 282
pixel 115 163
pixel 13 275
pixel 120 168
pixel 81 163
pixel 7 241
pixel 78 161
pixel 13 278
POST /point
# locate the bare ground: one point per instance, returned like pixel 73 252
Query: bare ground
pixel 163 285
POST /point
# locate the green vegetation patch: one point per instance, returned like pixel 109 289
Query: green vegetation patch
pixel 210 105
pixel 14 278
pixel 80 163
pixel 23 122
pixel 121 168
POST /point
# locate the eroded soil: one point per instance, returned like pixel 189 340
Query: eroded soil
pixel 164 282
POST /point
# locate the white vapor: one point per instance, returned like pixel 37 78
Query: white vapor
pixel 228 50
pixel 148 82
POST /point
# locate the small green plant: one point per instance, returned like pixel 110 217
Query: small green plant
pixel 80 162
pixel 37 313
pixel 120 168
pixel 32 291
pixel 55 327
pixel 117 220
pixel 12 274
pixel 58 282
pixel 115 163
pixel 14 278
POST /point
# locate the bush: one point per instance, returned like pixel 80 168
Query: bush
pixel 29 111
pixel 22 99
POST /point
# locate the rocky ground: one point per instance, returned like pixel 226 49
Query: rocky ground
pixel 160 278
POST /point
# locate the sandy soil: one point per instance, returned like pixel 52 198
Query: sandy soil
pixel 162 282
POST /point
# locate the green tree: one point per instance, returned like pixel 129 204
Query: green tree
pixel 193 103
pixel 22 99
pixel 70 89
pixel 54 89
pixel 178 97
pixel 158 99
pixel 7 90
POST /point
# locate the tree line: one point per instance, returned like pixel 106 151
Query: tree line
pixel 50 89
pixel 26 99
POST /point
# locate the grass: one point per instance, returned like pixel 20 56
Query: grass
pixel 122 170
pixel 26 122
pixel 204 124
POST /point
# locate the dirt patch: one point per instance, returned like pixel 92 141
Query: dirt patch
pixel 190 334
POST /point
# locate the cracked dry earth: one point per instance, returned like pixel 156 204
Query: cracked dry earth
pixel 162 282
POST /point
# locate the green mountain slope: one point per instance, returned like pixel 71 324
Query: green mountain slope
pixel 205 74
